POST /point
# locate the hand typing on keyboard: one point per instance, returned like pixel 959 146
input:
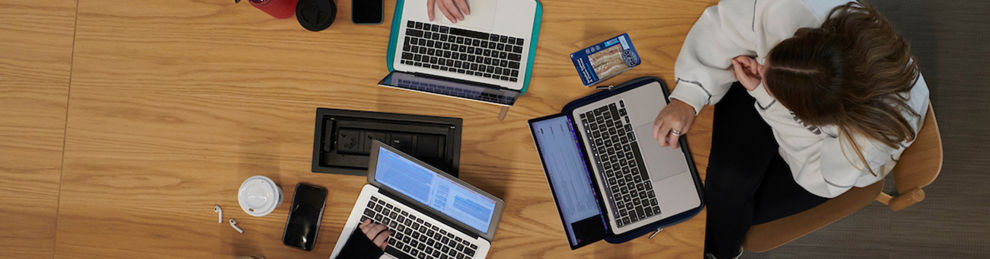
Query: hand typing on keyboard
pixel 369 243
pixel 454 10
pixel 377 233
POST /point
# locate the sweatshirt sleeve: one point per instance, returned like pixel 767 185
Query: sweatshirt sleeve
pixel 730 29
pixel 721 33
pixel 359 246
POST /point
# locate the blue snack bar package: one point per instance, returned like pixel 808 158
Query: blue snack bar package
pixel 605 60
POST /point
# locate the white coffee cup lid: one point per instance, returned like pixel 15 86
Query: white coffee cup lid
pixel 259 196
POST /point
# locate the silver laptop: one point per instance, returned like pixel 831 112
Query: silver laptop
pixel 482 58
pixel 432 214
pixel 639 182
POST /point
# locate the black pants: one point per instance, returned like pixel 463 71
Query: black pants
pixel 747 182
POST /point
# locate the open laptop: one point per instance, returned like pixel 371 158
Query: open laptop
pixel 432 214
pixel 607 173
pixel 486 57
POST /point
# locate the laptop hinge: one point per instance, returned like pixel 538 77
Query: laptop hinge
pixel 463 81
pixel 592 167
pixel 470 233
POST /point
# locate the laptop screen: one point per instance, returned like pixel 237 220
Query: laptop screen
pixel 570 179
pixel 449 87
pixel 437 191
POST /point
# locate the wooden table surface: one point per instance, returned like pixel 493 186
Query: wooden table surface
pixel 35 59
pixel 124 121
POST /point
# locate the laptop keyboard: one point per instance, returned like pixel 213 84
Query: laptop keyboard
pixel 618 157
pixel 462 51
pixel 414 238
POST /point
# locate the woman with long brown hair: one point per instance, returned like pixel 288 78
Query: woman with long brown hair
pixel 828 97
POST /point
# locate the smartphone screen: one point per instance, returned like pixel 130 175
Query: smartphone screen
pixel 304 216
pixel 367 11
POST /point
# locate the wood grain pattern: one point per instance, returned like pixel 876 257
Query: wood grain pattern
pixel 35 60
pixel 174 103
pixel 923 159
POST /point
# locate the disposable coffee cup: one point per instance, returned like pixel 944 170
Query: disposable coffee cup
pixel 259 195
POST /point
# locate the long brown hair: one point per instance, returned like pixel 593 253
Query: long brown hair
pixel 853 73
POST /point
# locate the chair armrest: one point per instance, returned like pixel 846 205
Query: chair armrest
pixel 903 200
pixel 770 235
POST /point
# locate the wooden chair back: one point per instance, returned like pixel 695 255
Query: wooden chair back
pixel 918 167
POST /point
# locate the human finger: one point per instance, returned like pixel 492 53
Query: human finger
pixel 446 11
pixel 675 141
pixel 664 134
pixel 365 226
pixel 740 59
pixel 672 139
pixel 746 72
pixel 375 230
pixel 463 6
pixel 381 238
pixel 453 9
pixel 754 68
pixel 657 125
pixel 430 6
pixel 743 60
pixel 738 70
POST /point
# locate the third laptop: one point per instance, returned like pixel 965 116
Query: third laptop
pixel 607 173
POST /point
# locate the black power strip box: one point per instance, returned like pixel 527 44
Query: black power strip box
pixel 342 139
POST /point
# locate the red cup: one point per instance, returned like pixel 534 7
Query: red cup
pixel 276 8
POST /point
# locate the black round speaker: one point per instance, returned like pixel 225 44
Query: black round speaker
pixel 316 15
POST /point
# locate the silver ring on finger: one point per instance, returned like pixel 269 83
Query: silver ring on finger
pixel 676 133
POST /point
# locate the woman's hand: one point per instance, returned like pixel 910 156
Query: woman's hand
pixel 375 232
pixel 454 10
pixel 747 71
pixel 673 122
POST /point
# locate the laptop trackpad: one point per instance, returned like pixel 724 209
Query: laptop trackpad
pixel 661 162
pixel 482 15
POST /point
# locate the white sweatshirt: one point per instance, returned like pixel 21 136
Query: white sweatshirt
pixel 752 28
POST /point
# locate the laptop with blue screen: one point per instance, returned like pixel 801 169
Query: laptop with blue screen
pixel 431 214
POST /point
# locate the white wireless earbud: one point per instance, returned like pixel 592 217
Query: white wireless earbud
pixel 216 208
pixel 233 224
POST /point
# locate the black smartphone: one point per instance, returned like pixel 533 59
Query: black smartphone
pixel 367 11
pixel 305 216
